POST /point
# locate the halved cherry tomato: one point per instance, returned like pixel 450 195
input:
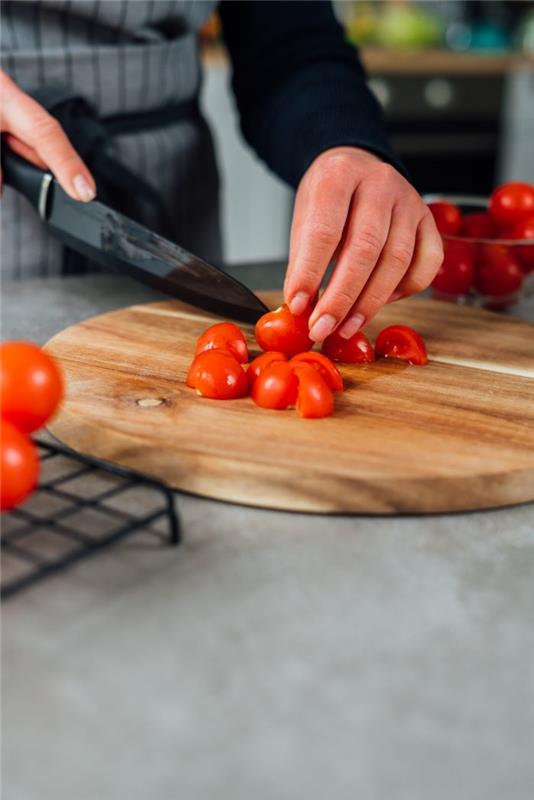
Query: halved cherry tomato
pixel 315 398
pixel 19 464
pixel 499 272
pixel 328 371
pixel 525 253
pixel 511 203
pixel 217 374
pixel 400 341
pixel 257 365
pixel 457 272
pixel 224 336
pixel 282 331
pixel 276 386
pixel 448 217
pixel 356 350
pixel 31 385
pixel 477 225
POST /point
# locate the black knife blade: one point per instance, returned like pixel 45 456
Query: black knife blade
pixel 119 243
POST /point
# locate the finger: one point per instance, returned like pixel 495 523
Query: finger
pixel 24 150
pixel 427 260
pixel 366 234
pixel 320 214
pixel 29 122
pixel 392 265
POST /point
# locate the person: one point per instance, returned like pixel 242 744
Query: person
pixel 304 107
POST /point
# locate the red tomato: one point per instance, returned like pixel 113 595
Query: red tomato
pixel 499 272
pixel 400 341
pixel 525 253
pixel 511 203
pixel 477 226
pixel 276 386
pixel 328 371
pixel 315 398
pixel 217 374
pixel 457 272
pixel 224 336
pixel 448 217
pixel 356 350
pixel 31 386
pixel 256 367
pixel 280 330
pixel 19 464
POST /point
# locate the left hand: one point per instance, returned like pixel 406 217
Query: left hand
pixel 354 208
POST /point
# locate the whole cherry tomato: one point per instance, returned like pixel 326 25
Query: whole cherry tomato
pixel 511 203
pixel 328 371
pixel 400 341
pixel 224 336
pixel 356 350
pixel 314 398
pixel 257 365
pixel 276 386
pixel 31 386
pixel 525 253
pixel 19 464
pixel 457 272
pixel 284 332
pixel 477 226
pixel 217 374
pixel 499 272
pixel 448 217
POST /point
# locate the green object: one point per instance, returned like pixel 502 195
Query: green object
pixel 407 27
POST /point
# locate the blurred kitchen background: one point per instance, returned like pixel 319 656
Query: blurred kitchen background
pixel 455 79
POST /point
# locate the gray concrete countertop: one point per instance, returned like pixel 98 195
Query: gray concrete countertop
pixel 272 656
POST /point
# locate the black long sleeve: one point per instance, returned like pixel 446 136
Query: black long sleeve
pixel 300 87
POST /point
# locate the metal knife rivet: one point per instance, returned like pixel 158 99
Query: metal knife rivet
pixel 150 402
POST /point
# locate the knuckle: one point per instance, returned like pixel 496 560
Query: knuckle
pixel 340 300
pixel 385 172
pixel 323 233
pixel 415 284
pixel 366 245
pixel 47 127
pixel 400 255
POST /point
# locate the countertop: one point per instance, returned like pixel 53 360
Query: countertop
pixel 272 655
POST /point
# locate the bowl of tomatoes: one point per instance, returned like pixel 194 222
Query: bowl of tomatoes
pixel 488 246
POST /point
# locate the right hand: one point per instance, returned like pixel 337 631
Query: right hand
pixel 38 137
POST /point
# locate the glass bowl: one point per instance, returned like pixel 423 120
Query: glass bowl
pixel 502 270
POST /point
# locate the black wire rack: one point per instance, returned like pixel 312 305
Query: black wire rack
pixel 80 506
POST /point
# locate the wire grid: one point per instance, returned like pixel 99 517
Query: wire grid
pixel 80 506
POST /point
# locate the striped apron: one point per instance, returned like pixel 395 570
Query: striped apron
pixel 124 57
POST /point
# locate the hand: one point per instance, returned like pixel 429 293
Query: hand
pixel 36 136
pixel 353 208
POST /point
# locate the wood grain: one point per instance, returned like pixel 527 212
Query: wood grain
pixel 456 434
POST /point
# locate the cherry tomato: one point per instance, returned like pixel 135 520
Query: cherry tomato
pixel 511 203
pixel 477 226
pixel 276 386
pixel 356 350
pixel 224 336
pixel 217 374
pixel 257 365
pixel 499 272
pixel 19 464
pixel 31 386
pixel 457 272
pixel 280 330
pixel 328 371
pixel 448 217
pixel 400 341
pixel 525 253
pixel 315 398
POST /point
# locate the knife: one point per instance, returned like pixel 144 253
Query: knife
pixel 119 243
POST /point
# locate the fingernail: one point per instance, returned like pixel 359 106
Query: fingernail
pixel 352 326
pixel 83 189
pixel 299 303
pixel 322 328
pixel 395 296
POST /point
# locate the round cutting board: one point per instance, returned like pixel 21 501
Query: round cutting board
pixel 456 434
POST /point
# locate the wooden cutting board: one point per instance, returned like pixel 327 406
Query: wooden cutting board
pixel 456 434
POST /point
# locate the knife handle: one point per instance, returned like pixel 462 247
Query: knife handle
pixel 26 178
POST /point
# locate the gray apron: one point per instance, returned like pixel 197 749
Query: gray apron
pixel 124 57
